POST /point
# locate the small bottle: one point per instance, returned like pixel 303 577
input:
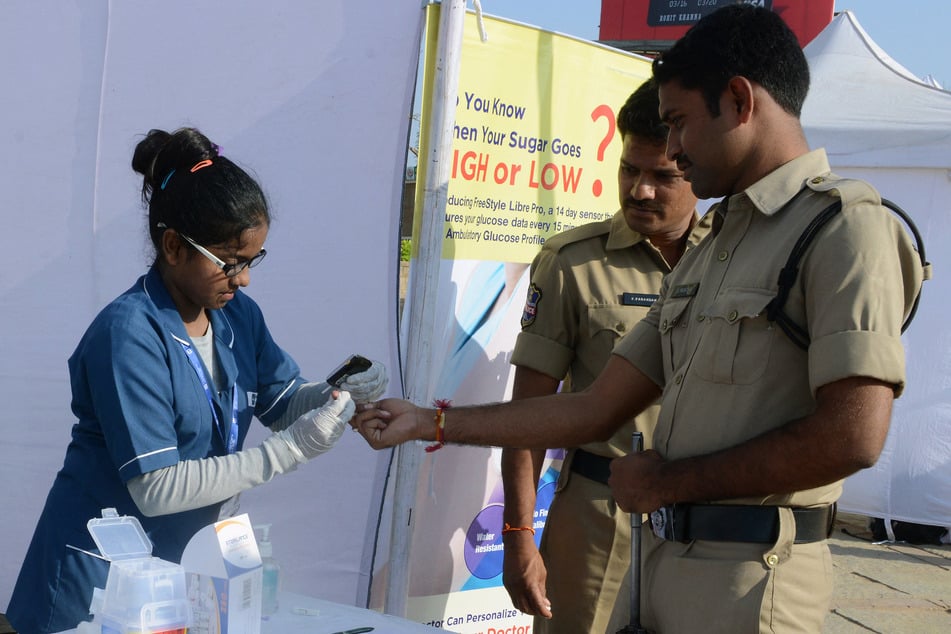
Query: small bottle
pixel 271 572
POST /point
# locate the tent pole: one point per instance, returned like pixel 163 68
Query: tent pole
pixel 424 276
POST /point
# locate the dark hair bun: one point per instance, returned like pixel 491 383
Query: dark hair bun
pixel 148 148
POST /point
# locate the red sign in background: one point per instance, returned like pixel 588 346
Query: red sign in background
pixel 630 20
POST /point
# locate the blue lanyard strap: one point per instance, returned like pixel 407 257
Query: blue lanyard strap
pixel 231 438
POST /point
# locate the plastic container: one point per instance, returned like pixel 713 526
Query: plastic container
pixel 270 571
pixel 143 594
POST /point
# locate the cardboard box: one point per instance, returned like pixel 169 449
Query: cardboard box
pixel 223 570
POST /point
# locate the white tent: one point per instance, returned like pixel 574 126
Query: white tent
pixel 879 122
pixel 313 98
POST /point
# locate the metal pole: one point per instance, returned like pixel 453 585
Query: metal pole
pixel 424 274
pixel 637 445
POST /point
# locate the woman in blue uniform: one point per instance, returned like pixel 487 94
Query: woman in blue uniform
pixel 165 382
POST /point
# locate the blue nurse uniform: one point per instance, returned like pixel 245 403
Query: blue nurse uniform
pixel 140 407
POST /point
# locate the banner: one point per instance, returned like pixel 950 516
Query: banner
pixel 534 153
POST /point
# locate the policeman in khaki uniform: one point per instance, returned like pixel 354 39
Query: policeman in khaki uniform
pixel 755 433
pixel 731 376
pixel 589 286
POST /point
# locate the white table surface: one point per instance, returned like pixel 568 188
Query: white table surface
pixel 298 614
pixel 333 618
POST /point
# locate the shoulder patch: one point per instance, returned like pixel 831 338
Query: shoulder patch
pixel 531 305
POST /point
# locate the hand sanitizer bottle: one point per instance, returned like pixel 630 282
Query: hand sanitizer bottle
pixel 271 572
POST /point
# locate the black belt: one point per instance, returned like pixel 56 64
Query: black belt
pixel 591 466
pixel 738 523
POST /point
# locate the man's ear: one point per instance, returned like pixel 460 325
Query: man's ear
pixel 740 95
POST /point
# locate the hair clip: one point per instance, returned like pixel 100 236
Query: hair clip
pixel 165 180
pixel 200 164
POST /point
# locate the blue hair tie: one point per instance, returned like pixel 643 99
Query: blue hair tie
pixel 165 180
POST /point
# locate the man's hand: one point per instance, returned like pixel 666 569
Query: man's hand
pixel 637 483
pixel 392 422
pixel 524 575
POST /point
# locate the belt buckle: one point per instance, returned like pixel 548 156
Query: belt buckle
pixel 662 523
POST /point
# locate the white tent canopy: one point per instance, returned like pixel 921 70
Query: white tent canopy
pixel 868 109
pixel 878 122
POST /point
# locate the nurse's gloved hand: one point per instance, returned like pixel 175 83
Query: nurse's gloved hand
pixel 317 430
pixel 368 385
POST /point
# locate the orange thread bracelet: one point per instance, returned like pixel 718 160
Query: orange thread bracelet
pixel 440 419
pixel 506 528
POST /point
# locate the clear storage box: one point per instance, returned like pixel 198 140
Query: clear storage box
pixel 143 594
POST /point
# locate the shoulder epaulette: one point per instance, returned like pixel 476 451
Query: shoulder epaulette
pixel 849 191
pixel 590 230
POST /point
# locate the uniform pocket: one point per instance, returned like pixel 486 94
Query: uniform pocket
pixel 736 346
pixel 613 320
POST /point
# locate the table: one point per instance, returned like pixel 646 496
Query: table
pixel 299 614
pixel 332 618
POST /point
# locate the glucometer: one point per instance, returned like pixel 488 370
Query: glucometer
pixel 354 365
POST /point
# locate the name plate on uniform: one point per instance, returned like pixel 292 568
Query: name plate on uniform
pixel 685 290
pixel 638 299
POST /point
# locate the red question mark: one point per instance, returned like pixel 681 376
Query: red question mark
pixel 603 111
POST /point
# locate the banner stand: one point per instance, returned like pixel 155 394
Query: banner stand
pixel 423 280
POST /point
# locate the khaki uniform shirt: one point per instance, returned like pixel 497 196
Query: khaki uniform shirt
pixel 728 374
pixel 590 285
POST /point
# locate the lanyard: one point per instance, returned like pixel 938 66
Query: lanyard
pixel 231 438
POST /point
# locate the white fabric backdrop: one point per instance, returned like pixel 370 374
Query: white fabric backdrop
pixel 879 122
pixel 313 97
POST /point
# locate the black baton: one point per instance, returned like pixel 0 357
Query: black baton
pixel 634 627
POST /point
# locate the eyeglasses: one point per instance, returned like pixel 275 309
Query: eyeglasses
pixel 230 270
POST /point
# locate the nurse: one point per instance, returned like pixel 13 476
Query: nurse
pixel 165 383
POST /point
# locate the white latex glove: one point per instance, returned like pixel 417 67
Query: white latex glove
pixel 317 430
pixel 368 385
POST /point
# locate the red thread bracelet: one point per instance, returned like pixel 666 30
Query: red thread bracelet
pixel 506 528
pixel 440 419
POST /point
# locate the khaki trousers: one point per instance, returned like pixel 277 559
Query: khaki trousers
pixel 736 588
pixel 587 551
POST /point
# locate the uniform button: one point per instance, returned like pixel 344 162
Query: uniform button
pixel 772 560
pixel 620 327
pixel 817 180
pixel 663 326
pixel 733 315
pixel 700 317
pixel 722 256
pixel 678 379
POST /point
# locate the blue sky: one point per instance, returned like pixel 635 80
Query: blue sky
pixel 916 37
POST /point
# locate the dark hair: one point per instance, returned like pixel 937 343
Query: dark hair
pixel 212 204
pixel 738 40
pixel 640 115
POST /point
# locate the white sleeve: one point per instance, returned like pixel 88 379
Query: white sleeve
pixel 193 484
